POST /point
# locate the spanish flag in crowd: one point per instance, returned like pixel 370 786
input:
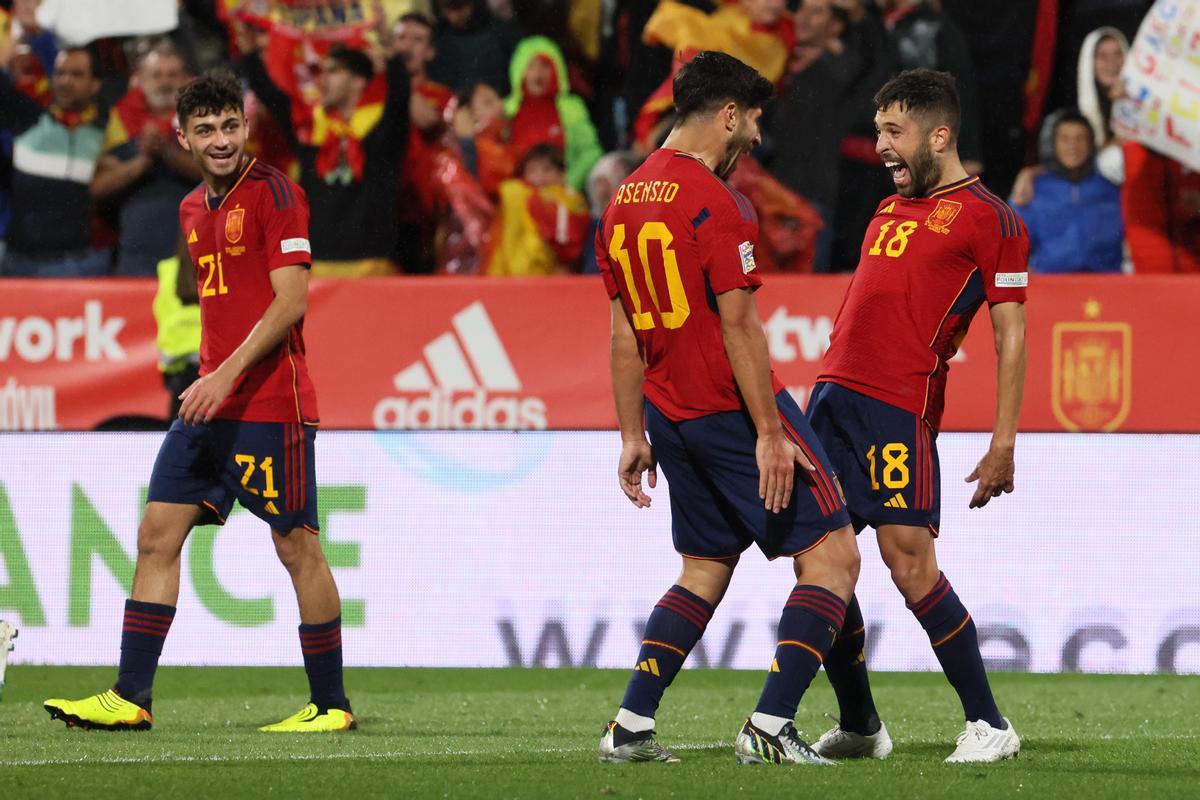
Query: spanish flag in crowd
pixel 302 32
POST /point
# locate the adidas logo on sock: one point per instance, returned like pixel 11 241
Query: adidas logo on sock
pixel 649 665
pixel 896 502
pixel 465 380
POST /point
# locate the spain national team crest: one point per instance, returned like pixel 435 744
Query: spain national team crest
pixel 1093 366
pixel 942 215
pixel 233 224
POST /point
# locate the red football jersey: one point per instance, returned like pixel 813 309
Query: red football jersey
pixel 927 265
pixel 235 241
pixel 673 237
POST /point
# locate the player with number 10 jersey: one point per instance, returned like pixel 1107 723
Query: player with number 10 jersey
pixel 690 368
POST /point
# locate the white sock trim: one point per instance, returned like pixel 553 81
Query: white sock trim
pixel 634 723
pixel 768 723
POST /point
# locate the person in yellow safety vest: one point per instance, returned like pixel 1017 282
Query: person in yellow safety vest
pixel 177 314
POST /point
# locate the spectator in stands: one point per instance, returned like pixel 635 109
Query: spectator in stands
pixel 919 35
pixel 862 179
pixel 1074 220
pixel 924 36
pixel 1100 62
pixel 413 41
pixel 144 171
pixel 542 222
pixel 473 46
pixel 482 131
pixel 1099 84
pixel 54 156
pixel 350 148
pixel 543 110
pixel 602 183
pixel 822 74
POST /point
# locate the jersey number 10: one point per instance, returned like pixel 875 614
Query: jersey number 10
pixel 679 311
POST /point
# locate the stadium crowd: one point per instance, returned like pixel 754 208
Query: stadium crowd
pixel 472 137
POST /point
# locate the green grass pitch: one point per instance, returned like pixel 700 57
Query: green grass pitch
pixel 533 733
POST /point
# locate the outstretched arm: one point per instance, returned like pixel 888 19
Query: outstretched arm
pixel 996 468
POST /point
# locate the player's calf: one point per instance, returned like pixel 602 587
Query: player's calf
pixel 673 629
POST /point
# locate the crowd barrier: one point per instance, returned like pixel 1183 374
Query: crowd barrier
pixel 1106 353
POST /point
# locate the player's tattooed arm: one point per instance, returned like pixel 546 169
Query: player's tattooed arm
pixel 204 398
pixel 746 346
pixel 627 373
pixel 996 469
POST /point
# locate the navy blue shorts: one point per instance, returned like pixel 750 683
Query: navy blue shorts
pixel 886 457
pixel 713 480
pixel 268 467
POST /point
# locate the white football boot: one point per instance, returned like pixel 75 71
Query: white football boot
pixel 618 745
pixel 980 743
pixel 837 744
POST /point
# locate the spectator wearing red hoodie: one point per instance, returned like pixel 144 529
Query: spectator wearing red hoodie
pixel 543 110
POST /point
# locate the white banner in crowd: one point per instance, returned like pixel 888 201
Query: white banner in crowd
pixel 77 22
pixel 1162 81
pixel 517 549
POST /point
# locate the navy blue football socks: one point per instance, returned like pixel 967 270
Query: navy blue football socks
pixel 846 667
pixel 676 624
pixel 956 644
pixel 143 632
pixel 322 647
pixel 810 620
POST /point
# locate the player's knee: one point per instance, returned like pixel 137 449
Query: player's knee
pixel 912 577
pixel 157 541
pixel 298 551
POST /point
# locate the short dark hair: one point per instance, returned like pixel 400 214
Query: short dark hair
pixel 419 18
pixel 1073 115
pixel 712 79
pixel 90 52
pixel 211 93
pixel 466 94
pixel 356 61
pixel 543 151
pixel 923 92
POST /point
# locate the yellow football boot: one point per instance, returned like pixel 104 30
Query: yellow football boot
pixel 107 711
pixel 312 719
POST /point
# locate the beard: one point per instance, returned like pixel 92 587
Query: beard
pixel 923 171
pixel 734 149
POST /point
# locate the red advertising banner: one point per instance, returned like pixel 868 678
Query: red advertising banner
pixel 1106 353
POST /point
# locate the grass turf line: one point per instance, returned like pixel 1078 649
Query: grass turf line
pixel 533 733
